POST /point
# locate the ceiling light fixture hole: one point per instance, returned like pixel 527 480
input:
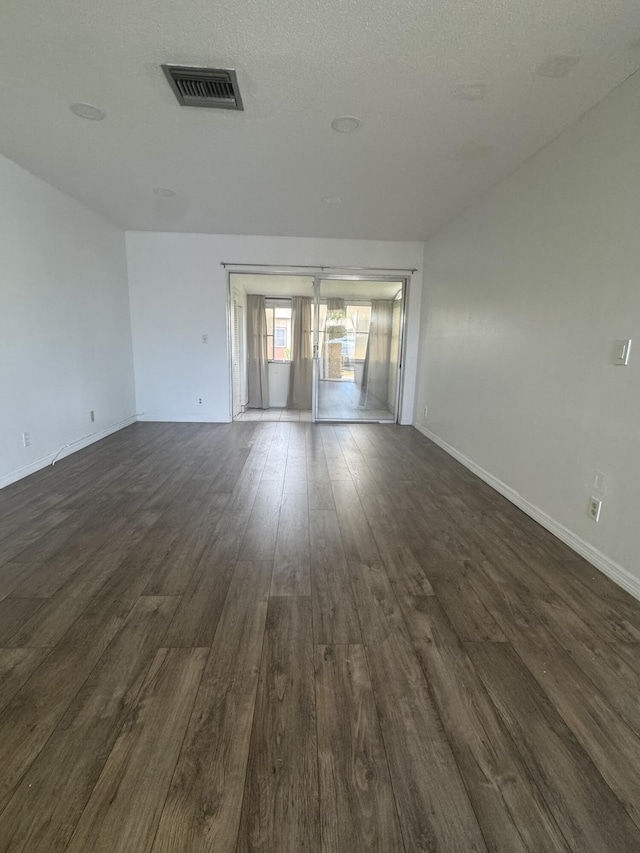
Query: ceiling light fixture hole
pixel 346 124
pixel 88 111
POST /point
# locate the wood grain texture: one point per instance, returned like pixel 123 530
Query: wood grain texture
pixel 14 612
pixel 291 563
pixel 357 538
pixel 259 541
pixel 586 810
pixel 335 619
pixel 202 812
pixel 469 616
pixel 357 805
pixel 196 618
pixel 16 666
pixel 611 744
pixel 124 808
pixel 78 549
pixel 30 716
pixel 396 657
pixel 280 807
pixel 49 800
pixel 510 809
pixel 57 614
pixel 422 766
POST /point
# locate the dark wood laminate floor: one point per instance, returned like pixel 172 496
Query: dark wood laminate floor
pixel 281 637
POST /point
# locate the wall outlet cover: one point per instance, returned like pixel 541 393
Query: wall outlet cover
pixel 622 350
pixel 595 505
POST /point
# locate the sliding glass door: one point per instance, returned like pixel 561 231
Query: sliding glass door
pixel 357 349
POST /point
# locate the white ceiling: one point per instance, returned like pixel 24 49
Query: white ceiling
pixel 419 158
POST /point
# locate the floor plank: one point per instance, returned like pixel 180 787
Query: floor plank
pixel 280 807
pixel 51 621
pixel 510 809
pixel 583 805
pixel 124 808
pixel 202 812
pixel 423 770
pixel 14 612
pixel 335 619
pixel 610 743
pixel 291 563
pixel 357 806
pixel 396 657
pixel 51 796
pixel 16 666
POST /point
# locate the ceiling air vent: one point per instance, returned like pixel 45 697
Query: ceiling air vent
pixel 204 87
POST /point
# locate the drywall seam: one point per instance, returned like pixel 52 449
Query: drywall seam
pixel 608 567
pixel 14 476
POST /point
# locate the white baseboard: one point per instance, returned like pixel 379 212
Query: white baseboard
pixel 72 447
pixel 605 564
pixel 181 419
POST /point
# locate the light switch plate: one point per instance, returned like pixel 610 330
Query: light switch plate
pixel 622 352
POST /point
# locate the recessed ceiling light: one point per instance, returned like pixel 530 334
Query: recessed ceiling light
pixel 163 192
pixel 332 199
pixel 557 66
pixel 346 124
pixel 88 111
pixel 470 92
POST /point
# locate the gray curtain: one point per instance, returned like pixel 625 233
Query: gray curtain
pixel 257 374
pixel 375 374
pixel 300 377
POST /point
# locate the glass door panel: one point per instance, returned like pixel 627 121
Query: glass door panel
pixel 359 331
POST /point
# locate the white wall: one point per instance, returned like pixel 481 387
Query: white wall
pixel 526 293
pixel 179 292
pixel 65 339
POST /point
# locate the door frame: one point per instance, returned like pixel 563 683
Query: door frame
pixel 332 274
pixel 404 281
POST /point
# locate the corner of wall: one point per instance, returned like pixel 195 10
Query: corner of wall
pixel 617 573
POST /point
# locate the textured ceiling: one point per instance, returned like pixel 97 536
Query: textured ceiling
pixel 420 157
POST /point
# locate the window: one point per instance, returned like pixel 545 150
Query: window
pixel 349 327
pixel 278 329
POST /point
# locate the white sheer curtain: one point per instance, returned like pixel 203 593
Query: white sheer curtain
pixel 301 371
pixel 257 373
pixel 375 374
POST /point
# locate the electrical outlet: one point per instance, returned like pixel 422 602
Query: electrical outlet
pixel 205 339
pixel 92 416
pixel 622 350
pixel 199 401
pixel 595 506
pixel 26 439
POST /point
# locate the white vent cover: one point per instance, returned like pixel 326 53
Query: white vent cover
pixel 216 88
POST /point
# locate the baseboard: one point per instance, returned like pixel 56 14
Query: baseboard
pixel 607 566
pixel 181 419
pixel 72 447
